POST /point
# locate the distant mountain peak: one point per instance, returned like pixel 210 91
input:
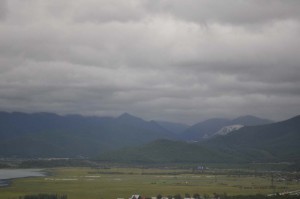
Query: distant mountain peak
pixel 125 114
pixel 128 116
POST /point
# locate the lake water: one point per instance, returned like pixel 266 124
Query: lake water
pixel 7 174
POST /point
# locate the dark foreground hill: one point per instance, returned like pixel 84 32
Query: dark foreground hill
pixel 167 151
pixel 51 135
pixel 266 143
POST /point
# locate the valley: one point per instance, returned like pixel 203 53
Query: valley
pixel 122 182
pixel 103 157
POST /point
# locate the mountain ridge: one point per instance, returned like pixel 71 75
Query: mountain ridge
pixel 208 128
pixel 53 135
pixel 50 135
pixel 276 142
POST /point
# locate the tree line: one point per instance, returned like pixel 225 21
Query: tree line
pixel 44 196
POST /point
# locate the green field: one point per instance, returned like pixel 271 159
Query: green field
pixel 112 183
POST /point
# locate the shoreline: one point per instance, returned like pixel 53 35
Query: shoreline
pixel 7 181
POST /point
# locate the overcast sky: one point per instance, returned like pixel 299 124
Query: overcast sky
pixel 175 60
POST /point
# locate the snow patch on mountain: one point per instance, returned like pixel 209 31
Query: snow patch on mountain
pixel 228 129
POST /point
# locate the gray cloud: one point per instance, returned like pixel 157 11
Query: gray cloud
pixel 107 11
pixel 230 12
pixel 3 9
pixel 172 60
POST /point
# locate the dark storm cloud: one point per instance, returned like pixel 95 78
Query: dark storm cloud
pixel 171 60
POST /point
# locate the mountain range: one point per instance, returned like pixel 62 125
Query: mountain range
pixel 52 135
pixel 276 142
pixel 210 127
pixel 271 142
pixel 130 138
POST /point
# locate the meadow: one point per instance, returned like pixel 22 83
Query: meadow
pixel 112 183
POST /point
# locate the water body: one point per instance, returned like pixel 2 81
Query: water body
pixel 7 174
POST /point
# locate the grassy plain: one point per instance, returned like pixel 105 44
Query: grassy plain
pixel 112 183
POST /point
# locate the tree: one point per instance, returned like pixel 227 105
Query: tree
pixel 44 196
pixel 206 196
pixel 196 196
pixel 216 196
pixel 177 196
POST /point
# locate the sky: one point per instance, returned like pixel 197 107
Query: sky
pixel 174 60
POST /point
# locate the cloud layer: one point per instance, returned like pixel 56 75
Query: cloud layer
pixel 170 60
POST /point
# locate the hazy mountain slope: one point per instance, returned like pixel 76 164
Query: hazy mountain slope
pixel 51 135
pixel 176 128
pixel 209 127
pixel 249 120
pixel 46 134
pixel 204 129
pixel 277 141
pixel 266 143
